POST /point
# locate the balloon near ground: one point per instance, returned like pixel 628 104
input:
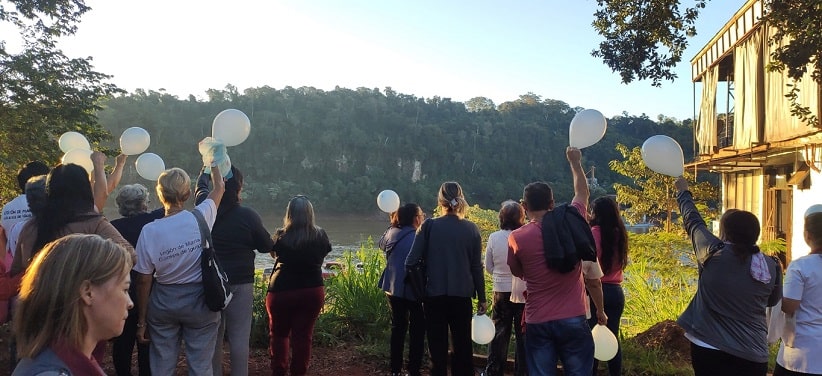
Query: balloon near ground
pixel 72 140
pixel 605 343
pixel 663 155
pixel 80 157
pixel 587 128
pixel 150 166
pixel 388 201
pixel 134 140
pixel 231 127
pixel 482 329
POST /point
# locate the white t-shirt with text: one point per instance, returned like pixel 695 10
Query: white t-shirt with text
pixel 803 282
pixel 15 211
pixel 170 247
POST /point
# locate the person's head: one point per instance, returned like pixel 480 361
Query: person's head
pixel 740 228
pixel 537 196
pixel 409 214
pixel 614 235
pixel 451 199
pixel 69 197
pixel 173 187
pixel 132 199
pixel 36 195
pixel 29 171
pixel 511 215
pixel 813 230
pixel 75 290
pixel 299 213
pixel 231 196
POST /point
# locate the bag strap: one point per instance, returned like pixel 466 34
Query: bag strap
pixel 205 233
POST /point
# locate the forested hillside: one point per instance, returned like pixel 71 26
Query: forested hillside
pixel 342 147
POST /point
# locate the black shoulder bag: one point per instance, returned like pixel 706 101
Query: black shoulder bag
pixel 215 281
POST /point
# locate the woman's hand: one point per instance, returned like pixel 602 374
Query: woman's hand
pixel 681 184
pixel 142 334
pixel 482 307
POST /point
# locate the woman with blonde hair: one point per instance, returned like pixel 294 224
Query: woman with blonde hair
pixel 296 293
pixel 451 248
pixel 74 295
pixel 173 307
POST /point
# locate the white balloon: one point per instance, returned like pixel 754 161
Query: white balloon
pixel 482 329
pixel 388 201
pixel 80 157
pixel 231 127
pixel 605 343
pixel 150 166
pixel 587 128
pixel 813 209
pixel 663 155
pixel 72 140
pixel 134 140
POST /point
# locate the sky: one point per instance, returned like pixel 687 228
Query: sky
pixel 452 49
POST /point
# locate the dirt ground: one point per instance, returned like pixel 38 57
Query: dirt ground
pixel 346 361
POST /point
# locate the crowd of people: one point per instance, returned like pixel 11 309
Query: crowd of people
pixel 72 281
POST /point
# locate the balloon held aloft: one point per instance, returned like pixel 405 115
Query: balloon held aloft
pixel 72 140
pixel 482 329
pixel 134 140
pixel 388 201
pixel 663 155
pixel 231 127
pixel 150 166
pixel 80 157
pixel 587 128
pixel 605 343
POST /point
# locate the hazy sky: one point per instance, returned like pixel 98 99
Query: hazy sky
pixel 454 49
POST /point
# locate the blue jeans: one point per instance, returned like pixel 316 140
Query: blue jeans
pixel 568 340
pixel 614 299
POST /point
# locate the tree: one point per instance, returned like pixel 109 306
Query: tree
pixel 44 93
pixel 652 194
pixel 645 39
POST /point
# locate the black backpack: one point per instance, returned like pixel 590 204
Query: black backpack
pixel 566 238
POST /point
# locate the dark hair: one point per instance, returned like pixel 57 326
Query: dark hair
pixel 813 225
pixel 231 196
pixel 298 223
pixel 511 215
pixel 740 228
pixel 405 215
pixel 614 236
pixel 538 196
pixel 69 199
pixel 30 170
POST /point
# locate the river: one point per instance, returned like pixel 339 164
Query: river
pixel 345 233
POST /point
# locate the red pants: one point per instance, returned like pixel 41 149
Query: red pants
pixel 291 318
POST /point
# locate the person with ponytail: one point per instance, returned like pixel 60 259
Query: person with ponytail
pixel 725 321
pixel 803 300
pixel 451 247
pixel 611 240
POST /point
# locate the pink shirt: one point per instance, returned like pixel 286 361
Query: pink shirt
pixel 551 295
pixel 615 275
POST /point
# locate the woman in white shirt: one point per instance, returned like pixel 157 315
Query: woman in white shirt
pixel 174 308
pixel 802 298
pixel 505 312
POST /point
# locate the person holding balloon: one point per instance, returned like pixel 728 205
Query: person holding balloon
pixel 611 238
pixel 406 309
pixel 725 321
pixel 506 314
pixel 451 248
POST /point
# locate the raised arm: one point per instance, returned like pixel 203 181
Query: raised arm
pixel 217 182
pixel 581 192
pixel 117 173
pixel 704 242
pixel 99 186
pixel 202 190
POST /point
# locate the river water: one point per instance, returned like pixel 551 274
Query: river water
pixel 345 233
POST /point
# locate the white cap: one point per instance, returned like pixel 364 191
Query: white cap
pixel 813 209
